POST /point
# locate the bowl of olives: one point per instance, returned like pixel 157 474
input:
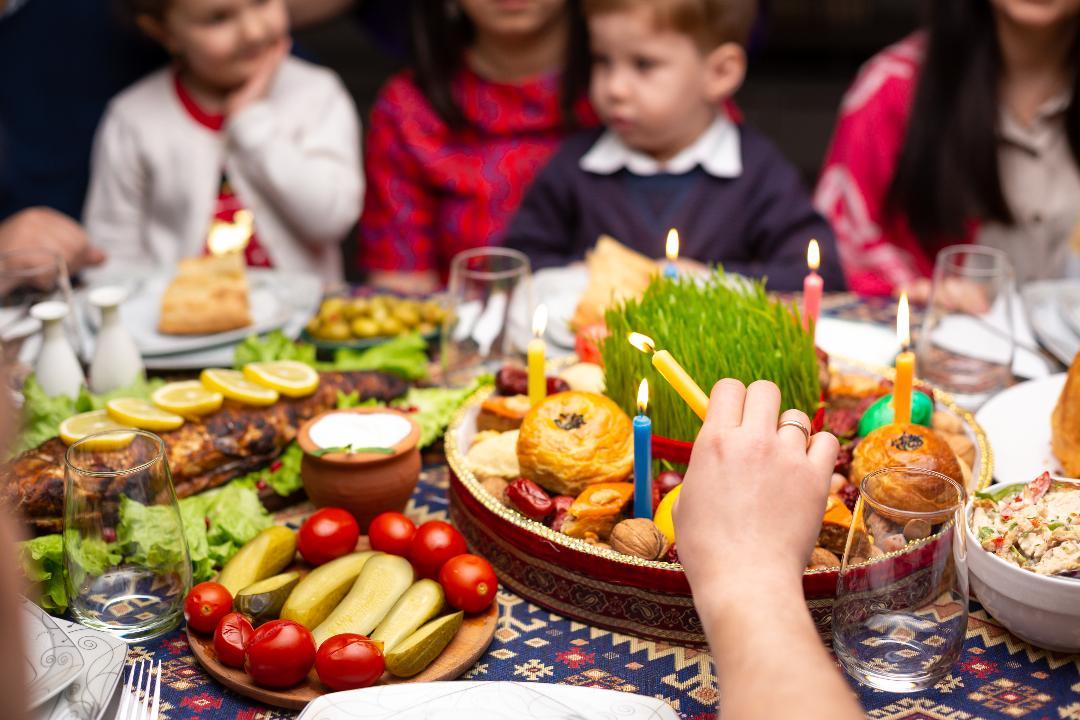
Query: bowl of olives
pixel 359 322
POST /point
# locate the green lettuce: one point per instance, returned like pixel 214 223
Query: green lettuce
pixel 282 475
pixel 405 356
pixel 42 561
pixel 272 346
pixel 435 406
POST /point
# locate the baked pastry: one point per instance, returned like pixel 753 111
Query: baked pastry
pixel 908 446
pixel 616 273
pixel 495 456
pixel 503 413
pixel 597 510
pixel 208 295
pixel 1065 422
pixel 835 526
pixel 573 440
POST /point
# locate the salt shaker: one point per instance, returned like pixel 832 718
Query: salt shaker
pixel 57 368
pixel 117 362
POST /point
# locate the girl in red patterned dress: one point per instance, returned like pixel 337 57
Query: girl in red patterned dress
pixel 968 132
pixel 453 144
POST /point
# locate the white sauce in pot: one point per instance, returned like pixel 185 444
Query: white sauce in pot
pixel 367 430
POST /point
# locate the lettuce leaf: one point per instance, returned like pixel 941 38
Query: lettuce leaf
pixel 405 355
pixel 283 475
pixel 272 346
pixel 435 406
pixel 42 561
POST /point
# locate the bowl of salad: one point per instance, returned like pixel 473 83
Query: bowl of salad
pixel 1024 558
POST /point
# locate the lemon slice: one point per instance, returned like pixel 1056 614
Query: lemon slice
pixel 233 385
pixel 77 427
pixel 142 414
pixel 288 377
pixel 189 397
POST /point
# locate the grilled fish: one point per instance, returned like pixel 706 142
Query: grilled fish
pixel 202 454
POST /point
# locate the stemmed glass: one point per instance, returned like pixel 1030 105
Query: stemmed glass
pixel 476 334
pixel 901 610
pixel 125 552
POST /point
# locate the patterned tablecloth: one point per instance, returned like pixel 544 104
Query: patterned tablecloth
pixel 998 676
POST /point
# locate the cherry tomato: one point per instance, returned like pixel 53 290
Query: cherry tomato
pixel 434 543
pixel 469 582
pixel 280 654
pixel 231 638
pixel 205 605
pixel 329 533
pixel 349 661
pixel 391 532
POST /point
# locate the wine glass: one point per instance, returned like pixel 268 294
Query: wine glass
pixel 475 334
pixel 125 552
pixel 966 345
pixel 901 609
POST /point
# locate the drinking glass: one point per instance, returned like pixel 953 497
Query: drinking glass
pixel 902 597
pixel 476 333
pixel 967 342
pixel 126 556
pixel 27 277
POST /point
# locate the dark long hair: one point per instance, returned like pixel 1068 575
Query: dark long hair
pixel 948 170
pixel 440 34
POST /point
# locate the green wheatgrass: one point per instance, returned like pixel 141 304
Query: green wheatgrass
pixel 724 326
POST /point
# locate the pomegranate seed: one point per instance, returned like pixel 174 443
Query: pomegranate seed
pixel 275 466
pixel 109 534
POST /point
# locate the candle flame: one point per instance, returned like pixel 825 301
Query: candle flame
pixel 813 255
pixel 672 245
pixel 903 329
pixel 644 343
pixel 643 396
pixel 540 318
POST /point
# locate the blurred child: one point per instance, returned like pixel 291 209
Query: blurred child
pixel 671 156
pixel 453 143
pixel 236 130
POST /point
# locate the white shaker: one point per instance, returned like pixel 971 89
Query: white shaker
pixel 57 368
pixel 117 362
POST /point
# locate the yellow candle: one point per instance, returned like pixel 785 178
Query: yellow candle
pixel 905 366
pixel 537 353
pixel 674 373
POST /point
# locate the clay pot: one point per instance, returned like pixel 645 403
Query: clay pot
pixel 365 484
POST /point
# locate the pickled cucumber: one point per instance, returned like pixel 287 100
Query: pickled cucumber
pixel 421 648
pixel 419 604
pixel 268 553
pixel 319 592
pixel 381 583
pixel 262 601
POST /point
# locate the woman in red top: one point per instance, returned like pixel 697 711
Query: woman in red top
pixel 967 133
pixel 453 144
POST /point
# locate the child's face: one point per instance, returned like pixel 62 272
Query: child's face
pixel 513 18
pixel 223 42
pixel 654 87
pixel 1038 13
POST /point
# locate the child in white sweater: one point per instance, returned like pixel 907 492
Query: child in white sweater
pixel 236 125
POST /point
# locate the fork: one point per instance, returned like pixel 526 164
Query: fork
pixel 144 679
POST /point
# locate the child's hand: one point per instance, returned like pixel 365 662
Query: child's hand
pixel 258 84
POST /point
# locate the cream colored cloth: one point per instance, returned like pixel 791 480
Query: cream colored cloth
pixel 1042 186
pixel 292 158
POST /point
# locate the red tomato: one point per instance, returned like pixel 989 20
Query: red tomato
pixel 280 654
pixel 231 638
pixel 469 582
pixel 205 605
pixel 329 533
pixel 434 543
pixel 349 661
pixel 391 532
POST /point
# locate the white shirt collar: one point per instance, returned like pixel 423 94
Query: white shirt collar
pixel 717 151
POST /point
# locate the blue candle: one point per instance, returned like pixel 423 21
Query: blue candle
pixel 670 272
pixel 643 456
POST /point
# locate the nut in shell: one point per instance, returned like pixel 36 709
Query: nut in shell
pixel 639 537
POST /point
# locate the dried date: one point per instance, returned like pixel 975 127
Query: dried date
pixel 529 499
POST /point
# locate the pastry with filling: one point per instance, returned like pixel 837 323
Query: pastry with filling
pixel 207 295
pixel 1065 422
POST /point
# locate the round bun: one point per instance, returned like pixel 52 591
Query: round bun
pixel 575 439
pixel 908 446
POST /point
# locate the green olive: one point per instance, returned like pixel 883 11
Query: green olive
pixel 364 328
pixel 407 314
pixel 431 312
pixel 332 306
pixel 391 326
pixel 360 307
pixel 338 331
pixel 425 328
pixel 379 313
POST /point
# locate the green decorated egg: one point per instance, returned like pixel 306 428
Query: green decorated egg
pixel 881 412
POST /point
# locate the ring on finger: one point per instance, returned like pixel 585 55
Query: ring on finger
pixel 796 424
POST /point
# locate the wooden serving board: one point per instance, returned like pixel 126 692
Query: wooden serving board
pixel 472 639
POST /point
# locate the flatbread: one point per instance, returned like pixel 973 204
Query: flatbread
pixel 208 295
pixel 616 273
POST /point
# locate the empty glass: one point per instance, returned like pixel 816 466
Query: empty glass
pixel 125 552
pixel 476 332
pixel 902 597
pixel 967 341
pixel 27 277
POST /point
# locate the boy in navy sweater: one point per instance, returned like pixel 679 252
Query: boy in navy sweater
pixel 672 155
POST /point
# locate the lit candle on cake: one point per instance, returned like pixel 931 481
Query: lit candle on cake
pixel 674 373
pixel 537 352
pixel 672 252
pixel 643 455
pixel 812 287
pixel 905 365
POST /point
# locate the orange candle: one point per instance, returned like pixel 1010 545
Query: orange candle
pixel 813 286
pixel 905 366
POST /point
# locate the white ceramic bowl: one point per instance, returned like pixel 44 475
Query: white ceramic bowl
pixel 1040 609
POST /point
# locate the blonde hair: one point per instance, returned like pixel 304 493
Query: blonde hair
pixel 711 23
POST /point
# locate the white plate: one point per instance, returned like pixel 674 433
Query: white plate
pixel 1069 305
pixel 1042 300
pixel 1017 424
pixel 866 342
pixel 558 288
pixel 88 697
pixel 53 662
pixel 486 701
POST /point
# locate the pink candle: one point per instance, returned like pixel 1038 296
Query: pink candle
pixel 812 287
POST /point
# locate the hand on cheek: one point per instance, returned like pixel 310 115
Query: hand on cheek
pixel 258 85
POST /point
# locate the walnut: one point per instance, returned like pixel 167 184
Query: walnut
pixel 639 537
pixel 496 487
pixel 822 558
pixel 917 529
